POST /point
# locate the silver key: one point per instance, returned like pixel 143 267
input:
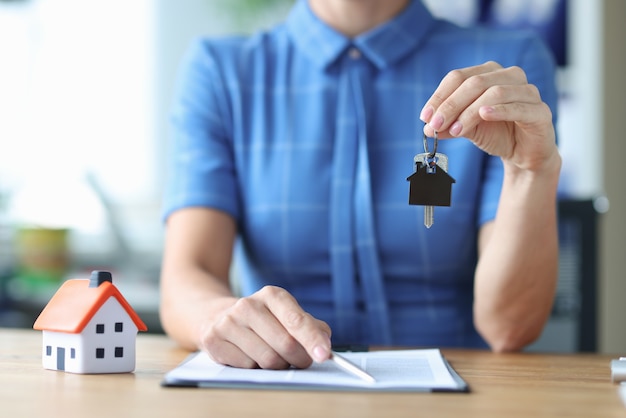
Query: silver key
pixel 430 185
pixel 442 161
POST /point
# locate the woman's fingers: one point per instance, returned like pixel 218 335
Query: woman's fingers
pixel 269 330
pixel 454 104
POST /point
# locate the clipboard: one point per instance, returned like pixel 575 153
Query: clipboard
pixel 424 370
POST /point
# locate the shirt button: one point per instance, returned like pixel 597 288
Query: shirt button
pixel 354 53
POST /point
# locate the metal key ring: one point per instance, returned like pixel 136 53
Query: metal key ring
pixel 430 154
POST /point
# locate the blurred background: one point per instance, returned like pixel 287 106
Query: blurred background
pixel 85 92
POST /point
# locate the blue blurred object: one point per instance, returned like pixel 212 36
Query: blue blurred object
pixel 546 17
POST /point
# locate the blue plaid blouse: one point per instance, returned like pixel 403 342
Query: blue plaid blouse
pixel 306 138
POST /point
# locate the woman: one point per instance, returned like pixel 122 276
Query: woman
pixel 291 152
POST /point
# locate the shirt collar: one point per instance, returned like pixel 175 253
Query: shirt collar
pixel 383 45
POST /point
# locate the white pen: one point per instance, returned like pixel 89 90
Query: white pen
pixel 351 368
pixel 618 370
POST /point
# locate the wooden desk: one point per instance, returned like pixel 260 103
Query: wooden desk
pixel 503 385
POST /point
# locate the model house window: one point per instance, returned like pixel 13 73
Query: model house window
pixel 119 326
pixel 99 352
pixel 100 329
pixel 48 350
pixel 72 353
pixel 119 351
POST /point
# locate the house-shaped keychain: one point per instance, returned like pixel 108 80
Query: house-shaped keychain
pixel 89 327
pixel 430 186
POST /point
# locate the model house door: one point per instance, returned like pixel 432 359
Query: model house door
pixel 60 358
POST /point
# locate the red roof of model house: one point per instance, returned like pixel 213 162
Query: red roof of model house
pixel 76 302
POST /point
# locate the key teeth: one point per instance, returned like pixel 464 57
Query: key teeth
pixel 429 216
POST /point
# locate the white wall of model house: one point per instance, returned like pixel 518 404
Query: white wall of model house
pixel 101 347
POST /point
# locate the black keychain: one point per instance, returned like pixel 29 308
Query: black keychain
pixel 430 185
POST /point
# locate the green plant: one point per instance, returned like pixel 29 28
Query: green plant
pixel 247 14
pixel 253 7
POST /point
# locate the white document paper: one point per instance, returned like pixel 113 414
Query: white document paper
pixel 404 370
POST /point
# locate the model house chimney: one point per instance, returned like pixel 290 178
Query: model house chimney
pixel 99 277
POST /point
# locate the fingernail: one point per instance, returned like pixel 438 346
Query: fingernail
pixel 320 354
pixel 426 113
pixel 456 128
pixel 436 122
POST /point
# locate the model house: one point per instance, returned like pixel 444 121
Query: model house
pixel 88 327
